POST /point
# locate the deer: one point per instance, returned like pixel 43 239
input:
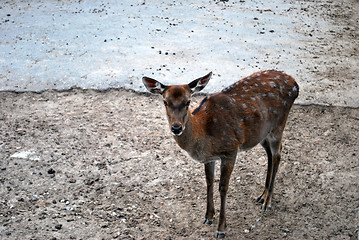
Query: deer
pixel 251 111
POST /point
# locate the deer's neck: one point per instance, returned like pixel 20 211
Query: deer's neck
pixel 194 140
pixel 191 135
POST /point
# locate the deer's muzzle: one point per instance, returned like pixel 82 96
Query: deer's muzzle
pixel 177 129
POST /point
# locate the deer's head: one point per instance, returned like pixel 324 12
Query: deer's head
pixel 176 99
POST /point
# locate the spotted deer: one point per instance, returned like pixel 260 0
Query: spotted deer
pixel 251 111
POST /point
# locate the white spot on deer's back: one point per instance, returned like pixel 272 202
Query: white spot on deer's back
pixel 295 89
pixel 244 105
pixel 272 84
pixel 281 88
pixel 232 101
pixel 271 94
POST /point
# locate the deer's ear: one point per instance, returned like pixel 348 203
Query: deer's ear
pixel 153 85
pixel 198 84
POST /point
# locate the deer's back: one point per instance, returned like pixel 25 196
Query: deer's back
pixel 245 112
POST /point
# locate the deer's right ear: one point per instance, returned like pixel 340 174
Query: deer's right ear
pixel 198 84
pixel 153 85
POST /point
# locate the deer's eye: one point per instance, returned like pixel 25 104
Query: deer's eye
pixel 188 103
pixel 165 103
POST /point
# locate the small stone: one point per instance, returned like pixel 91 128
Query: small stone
pixel 286 230
pixel 72 180
pixel 58 226
pixel 51 171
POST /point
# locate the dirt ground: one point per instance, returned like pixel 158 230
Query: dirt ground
pixel 102 165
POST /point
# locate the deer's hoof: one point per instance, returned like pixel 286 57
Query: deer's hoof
pixel 260 199
pixel 207 222
pixel 220 235
pixel 265 208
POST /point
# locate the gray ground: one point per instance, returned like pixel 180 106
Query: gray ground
pixel 103 165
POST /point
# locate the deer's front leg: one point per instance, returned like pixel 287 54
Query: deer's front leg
pixel 209 170
pixel 227 165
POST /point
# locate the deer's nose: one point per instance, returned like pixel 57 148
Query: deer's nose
pixel 176 129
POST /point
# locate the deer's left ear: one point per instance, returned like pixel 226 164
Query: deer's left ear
pixel 153 85
pixel 198 84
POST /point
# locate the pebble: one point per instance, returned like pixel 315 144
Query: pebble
pixel 72 180
pixel 58 226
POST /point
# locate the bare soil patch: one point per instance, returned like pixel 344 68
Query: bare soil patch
pixel 103 165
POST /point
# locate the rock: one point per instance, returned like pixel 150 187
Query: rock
pixel 26 155
pixel 72 180
pixel 58 226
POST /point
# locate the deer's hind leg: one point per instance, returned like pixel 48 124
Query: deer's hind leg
pixel 273 146
pixel 265 144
